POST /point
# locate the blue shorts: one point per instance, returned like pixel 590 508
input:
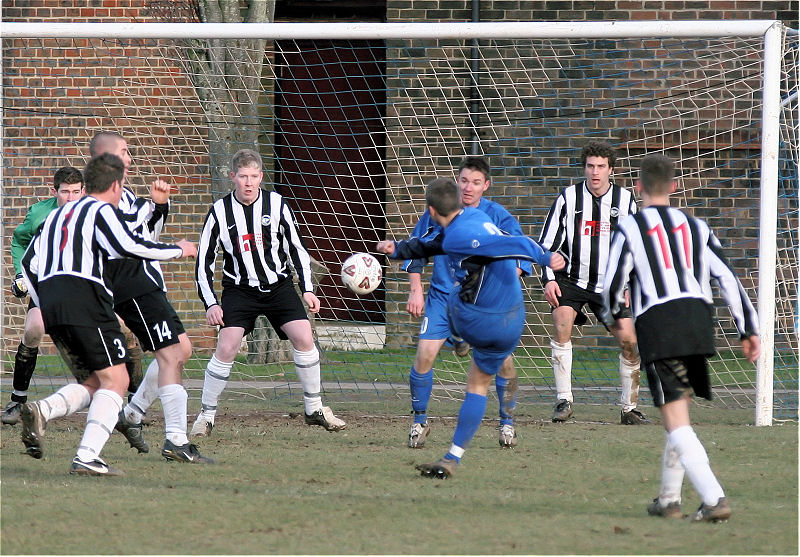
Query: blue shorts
pixel 494 335
pixel 435 325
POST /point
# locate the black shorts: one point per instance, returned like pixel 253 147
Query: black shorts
pixel 279 303
pixel 152 319
pixel 88 349
pixel 576 297
pixel 31 304
pixel 673 378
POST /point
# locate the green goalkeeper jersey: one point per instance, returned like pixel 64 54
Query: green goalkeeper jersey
pixel 37 213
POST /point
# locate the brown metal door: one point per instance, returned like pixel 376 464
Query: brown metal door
pixel 330 151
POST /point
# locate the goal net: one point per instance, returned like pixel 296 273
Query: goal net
pixel 351 128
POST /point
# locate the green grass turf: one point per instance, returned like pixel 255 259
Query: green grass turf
pixel 282 487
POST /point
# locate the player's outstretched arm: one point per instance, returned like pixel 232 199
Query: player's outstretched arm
pixel 189 249
pixel 385 247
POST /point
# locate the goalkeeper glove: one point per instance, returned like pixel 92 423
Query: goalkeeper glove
pixel 19 288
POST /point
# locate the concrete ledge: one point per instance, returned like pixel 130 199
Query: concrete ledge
pixel 334 335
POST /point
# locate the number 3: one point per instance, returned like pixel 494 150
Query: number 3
pixel 120 348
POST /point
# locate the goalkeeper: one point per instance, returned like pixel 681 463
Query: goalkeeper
pixel 485 308
pixel 67 186
pixel 473 181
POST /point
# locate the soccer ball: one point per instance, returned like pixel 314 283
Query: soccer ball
pixel 361 273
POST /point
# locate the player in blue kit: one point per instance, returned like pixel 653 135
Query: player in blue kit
pixel 473 180
pixel 486 308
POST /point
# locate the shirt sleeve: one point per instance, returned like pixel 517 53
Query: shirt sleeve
pixel 301 260
pixel 30 268
pixel 500 246
pixel 506 222
pixel 742 310
pixel 552 235
pixel 118 240
pixel 619 271
pixel 207 249
pixel 423 228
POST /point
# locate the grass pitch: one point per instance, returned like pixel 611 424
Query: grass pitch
pixel 280 487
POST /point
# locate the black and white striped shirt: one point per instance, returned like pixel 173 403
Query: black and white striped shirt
pixel 257 243
pixel 68 258
pixel 668 258
pixel 130 278
pixel 579 225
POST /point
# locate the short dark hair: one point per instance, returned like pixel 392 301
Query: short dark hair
pixel 476 163
pixel 442 194
pixel 657 173
pixel 599 149
pixel 100 141
pixel 245 157
pixel 102 171
pixel 67 175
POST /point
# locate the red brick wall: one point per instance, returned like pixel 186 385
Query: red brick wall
pixel 594 10
pixel 49 119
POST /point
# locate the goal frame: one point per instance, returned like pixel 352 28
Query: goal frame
pixel 770 30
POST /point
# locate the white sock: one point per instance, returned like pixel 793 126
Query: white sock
pixel 216 379
pixel 671 476
pixel 100 422
pixel 306 365
pixel 562 369
pixel 67 400
pixel 145 395
pixel 629 374
pixel 694 459
pixel 173 401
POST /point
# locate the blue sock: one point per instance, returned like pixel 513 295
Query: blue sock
pixel 421 385
pixel 506 406
pixel 469 420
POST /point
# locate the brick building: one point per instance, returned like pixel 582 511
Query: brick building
pixel 58 94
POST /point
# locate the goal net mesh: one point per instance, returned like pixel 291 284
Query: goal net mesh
pixel 351 131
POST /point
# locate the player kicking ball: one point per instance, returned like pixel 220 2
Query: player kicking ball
pixel 486 309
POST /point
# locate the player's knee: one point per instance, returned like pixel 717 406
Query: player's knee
pixel 303 343
pixel 306 357
pixel 32 337
pixel 186 347
pixel 117 380
pixel 629 351
pixel 423 364
pixel 228 347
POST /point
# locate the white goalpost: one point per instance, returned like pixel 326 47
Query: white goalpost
pixel 353 119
